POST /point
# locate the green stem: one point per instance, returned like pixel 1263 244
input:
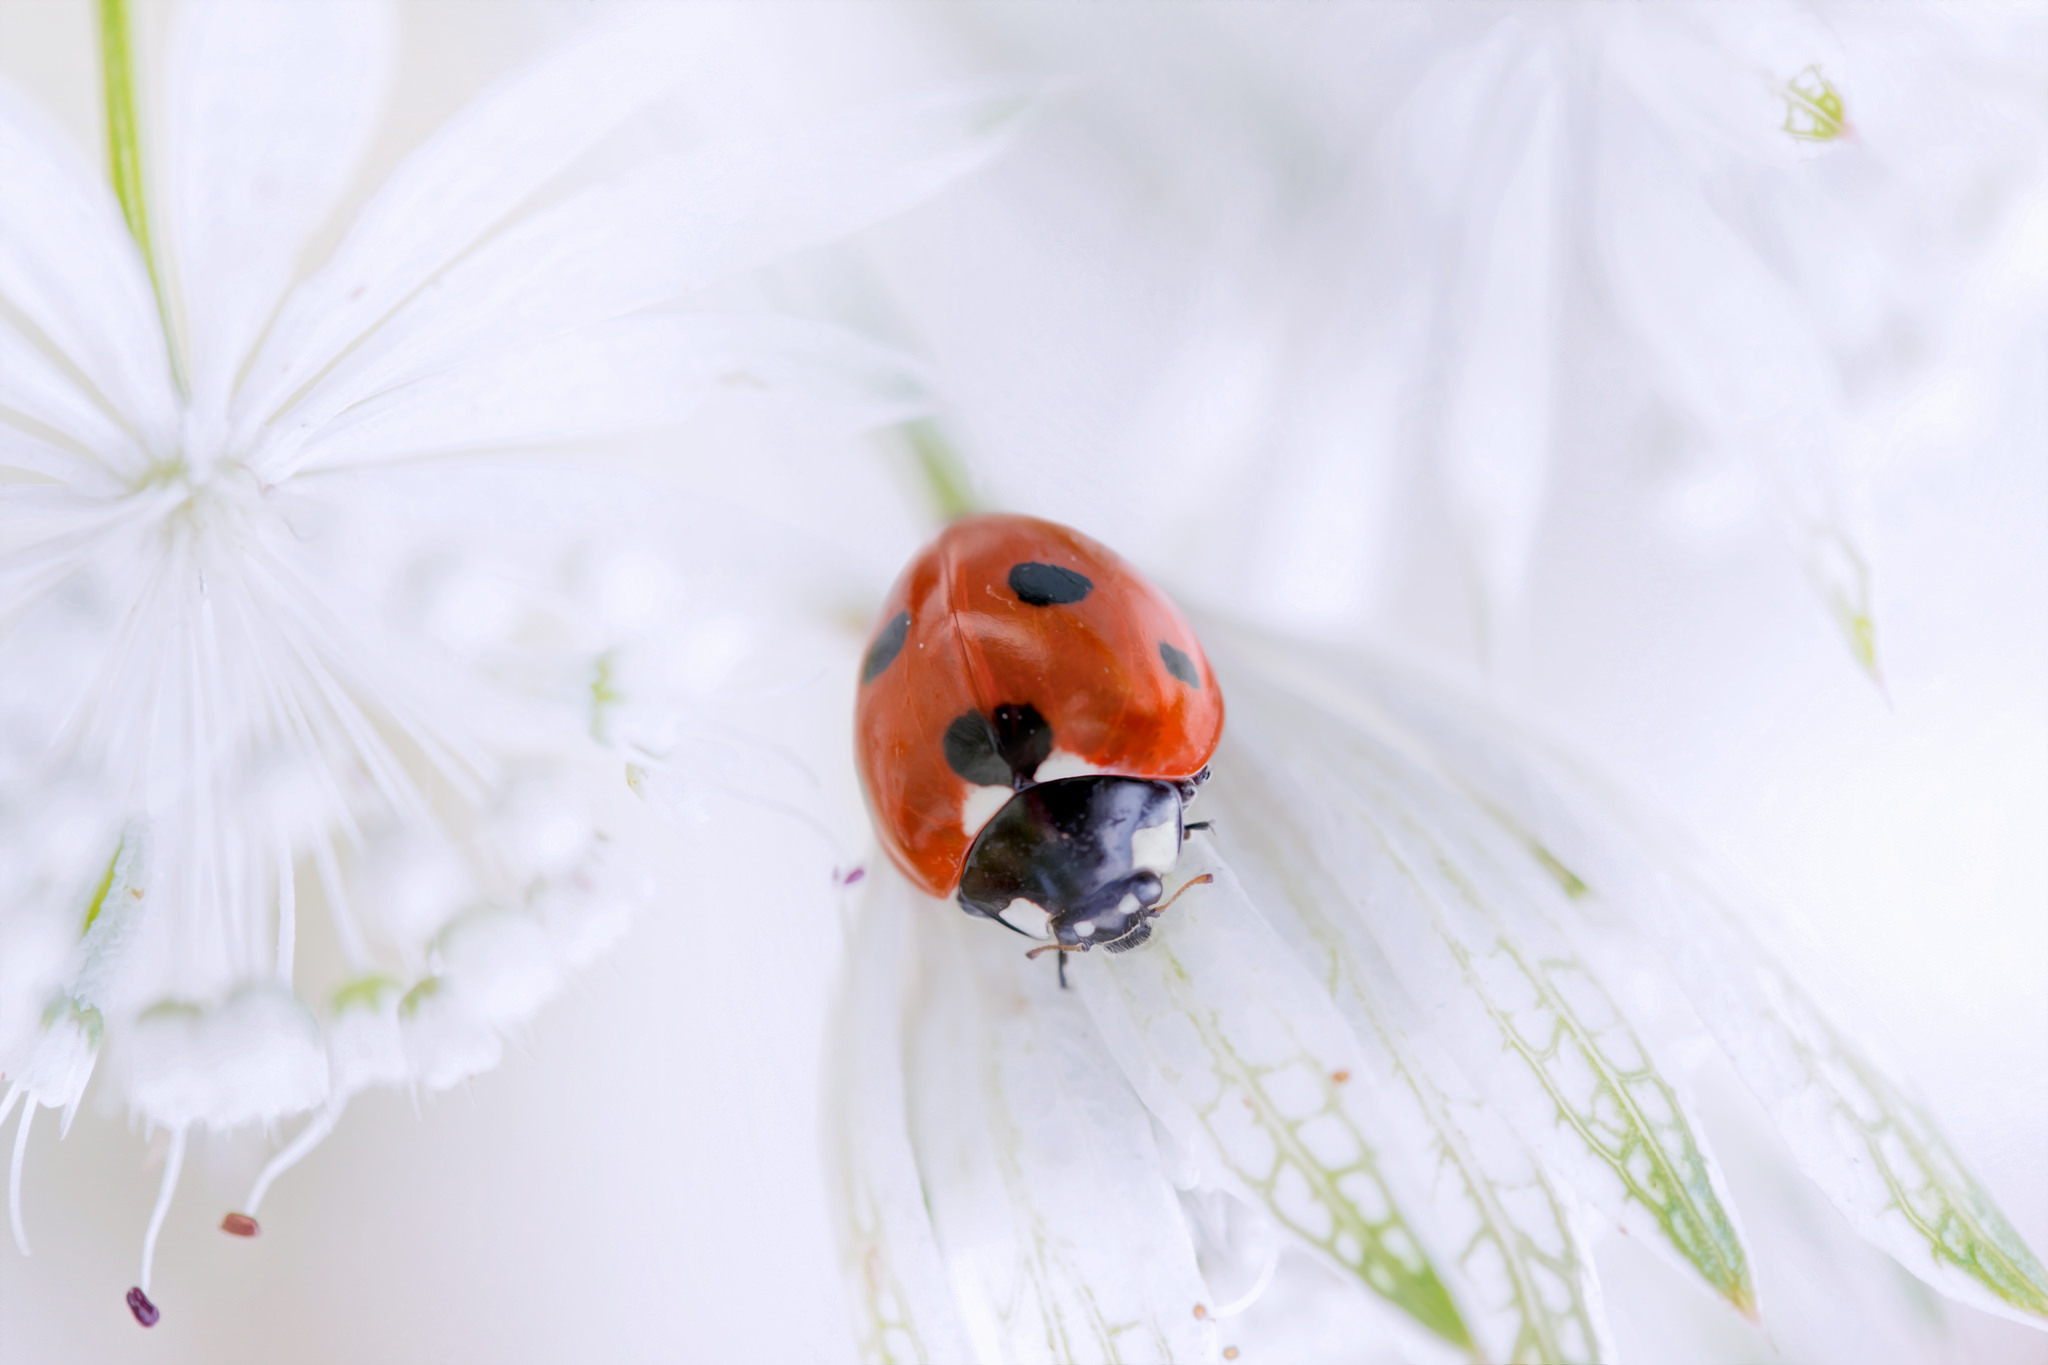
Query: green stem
pixel 124 151
pixel 943 472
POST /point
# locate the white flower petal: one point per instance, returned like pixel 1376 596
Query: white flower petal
pixel 1528 1283
pixel 903 1303
pixel 1239 1053
pixel 474 171
pixel 70 267
pixel 672 227
pixel 270 107
pixel 624 375
pixel 1502 325
pixel 1062 1236
pixel 1480 933
pixel 1857 1132
pixel 35 388
pixel 1733 347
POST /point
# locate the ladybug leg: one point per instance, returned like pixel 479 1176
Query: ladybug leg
pixel 1059 952
pixel 1191 826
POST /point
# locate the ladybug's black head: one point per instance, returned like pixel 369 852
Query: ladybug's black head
pixel 1091 852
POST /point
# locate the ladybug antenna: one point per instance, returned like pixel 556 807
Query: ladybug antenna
pixel 1180 891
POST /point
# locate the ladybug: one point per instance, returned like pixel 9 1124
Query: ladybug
pixel 1034 717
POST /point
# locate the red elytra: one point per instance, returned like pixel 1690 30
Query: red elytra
pixel 1013 652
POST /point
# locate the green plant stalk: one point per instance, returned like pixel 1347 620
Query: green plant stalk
pixel 124 152
pixel 940 470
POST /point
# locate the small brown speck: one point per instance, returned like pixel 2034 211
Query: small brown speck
pixel 1230 1353
pixel 1201 1311
pixel 1340 1076
pixel 239 1225
pixel 135 891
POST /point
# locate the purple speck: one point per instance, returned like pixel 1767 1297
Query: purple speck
pixel 144 1311
pixel 849 878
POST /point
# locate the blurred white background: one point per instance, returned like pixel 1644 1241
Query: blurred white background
pixel 1368 321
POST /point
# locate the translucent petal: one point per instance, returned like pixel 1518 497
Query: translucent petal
pixel 1483 936
pixel 1238 1052
pixel 1528 1283
pixel 654 235
pixel 69 266
pixel 269 109
pixel 620 376
pixel 1733 346
pixel 903 1306
pixel 1857 1132
pixel 1501 332
pixel 37 389
pixel 476 169
pixel 1061 1234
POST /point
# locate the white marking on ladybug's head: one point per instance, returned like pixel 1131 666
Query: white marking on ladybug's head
pixel 1085 929
pixel 1157 849
pixel 1059 763
pixel 980 806
pixel 1029 916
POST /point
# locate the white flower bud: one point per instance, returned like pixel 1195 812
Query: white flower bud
pixel 253 1058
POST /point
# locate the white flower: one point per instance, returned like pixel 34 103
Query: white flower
pixel 1405 1053
pixel 1373 296
pixel 288 624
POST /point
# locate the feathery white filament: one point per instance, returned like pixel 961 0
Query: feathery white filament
pixel 287 913
pixel 173 1163
pixel 14 1176
pixel 312 1135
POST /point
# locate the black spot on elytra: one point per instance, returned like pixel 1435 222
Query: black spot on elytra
pixel 888 644
pixel 999 751
pixel 1179 664
pixel 1048 585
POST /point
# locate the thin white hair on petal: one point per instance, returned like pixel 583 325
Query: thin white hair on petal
pixel 346 927
pixel 287 909
pixel 51 533
pixel 338 660
pixel 286 705
pixel 124 682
